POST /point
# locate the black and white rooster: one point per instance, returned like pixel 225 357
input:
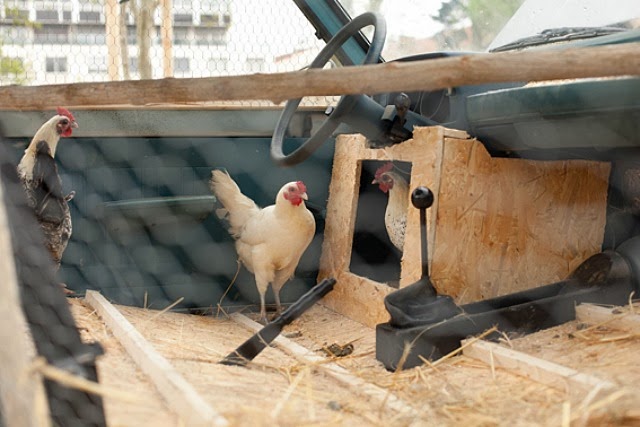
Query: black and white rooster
pixel 39 176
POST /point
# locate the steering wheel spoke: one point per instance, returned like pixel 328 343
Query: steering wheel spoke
pixel 346 103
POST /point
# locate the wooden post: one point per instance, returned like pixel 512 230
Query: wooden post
pixel 536 369
pixel 23 399
pixel 112 24
pixel 615 60
pixel 597 315
pixel 166 30
pixel 179 394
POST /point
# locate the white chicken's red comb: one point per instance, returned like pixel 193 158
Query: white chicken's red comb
pixel 302 187
pixel 383 169
pixel 64 112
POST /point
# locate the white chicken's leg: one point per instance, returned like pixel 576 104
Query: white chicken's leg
pixel 276 295
pixel 262 283
pixel 281 277
pixel 263 310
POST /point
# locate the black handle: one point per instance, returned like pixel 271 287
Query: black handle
pixel 422 198
pixel 254 345
pixel 306 301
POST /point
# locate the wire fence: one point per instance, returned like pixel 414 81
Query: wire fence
pixel 52 328
pixel 69 41
pixel 145 226
pixel 144 230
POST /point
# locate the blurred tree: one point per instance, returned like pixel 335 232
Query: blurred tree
pixel 13 70
pixel 143 11
pixel 485 17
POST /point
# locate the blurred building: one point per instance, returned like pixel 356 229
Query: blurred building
pixel 65 41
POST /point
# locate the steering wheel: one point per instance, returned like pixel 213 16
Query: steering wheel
pixel 346 103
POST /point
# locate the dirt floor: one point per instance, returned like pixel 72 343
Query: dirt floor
pixel 279 389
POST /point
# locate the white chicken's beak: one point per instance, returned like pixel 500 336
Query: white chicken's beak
pixel 74 125
pixel 304 196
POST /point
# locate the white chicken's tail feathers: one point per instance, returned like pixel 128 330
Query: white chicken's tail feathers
pixel 237 208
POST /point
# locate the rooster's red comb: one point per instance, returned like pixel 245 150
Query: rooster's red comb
pixel 384 169
pixel 301 187
pixel 64 112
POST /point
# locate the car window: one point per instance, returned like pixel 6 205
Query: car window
pixel 535 17
pixel 416 27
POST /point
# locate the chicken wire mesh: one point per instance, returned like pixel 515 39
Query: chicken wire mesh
pixel 69 41
pixel 144 228
pixel 51 326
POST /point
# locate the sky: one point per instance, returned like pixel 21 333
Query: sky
pixel 411 17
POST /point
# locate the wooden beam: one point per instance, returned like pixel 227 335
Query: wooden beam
pixel 22 397
pixel 166 35
pixel 611 60
pixel 112 29
pixel 539 370
pixel 384 397
pixel 180 396
pixel 597 315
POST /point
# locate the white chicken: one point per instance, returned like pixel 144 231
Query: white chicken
pixel 395 216
pixel 269 241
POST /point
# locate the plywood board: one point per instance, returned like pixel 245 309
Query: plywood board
pixel 505 225
pixel 459 391
pixel 497 225
pixel 356 296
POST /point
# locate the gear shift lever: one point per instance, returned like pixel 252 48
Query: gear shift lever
pixel 419 303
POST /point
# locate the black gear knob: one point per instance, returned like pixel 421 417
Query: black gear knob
pixel 422 198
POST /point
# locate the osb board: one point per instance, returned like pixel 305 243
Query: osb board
pixel 497 225
pixel 357 296
pixel 505 225
pixel 459 391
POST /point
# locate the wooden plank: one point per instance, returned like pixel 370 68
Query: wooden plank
pixel 597 315
pixel 383 397
pixel 24 402
pixel 178 393
pixel 533 65
pixel 536 369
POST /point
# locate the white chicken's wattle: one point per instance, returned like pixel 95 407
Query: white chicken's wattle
pixel 269 241
pixel 39 176
pixel 395 216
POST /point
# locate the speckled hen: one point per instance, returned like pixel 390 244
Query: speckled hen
pixel 39 175
pixel 395 216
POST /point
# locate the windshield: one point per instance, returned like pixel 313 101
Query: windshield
pixel 478 25
pixel 534 17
